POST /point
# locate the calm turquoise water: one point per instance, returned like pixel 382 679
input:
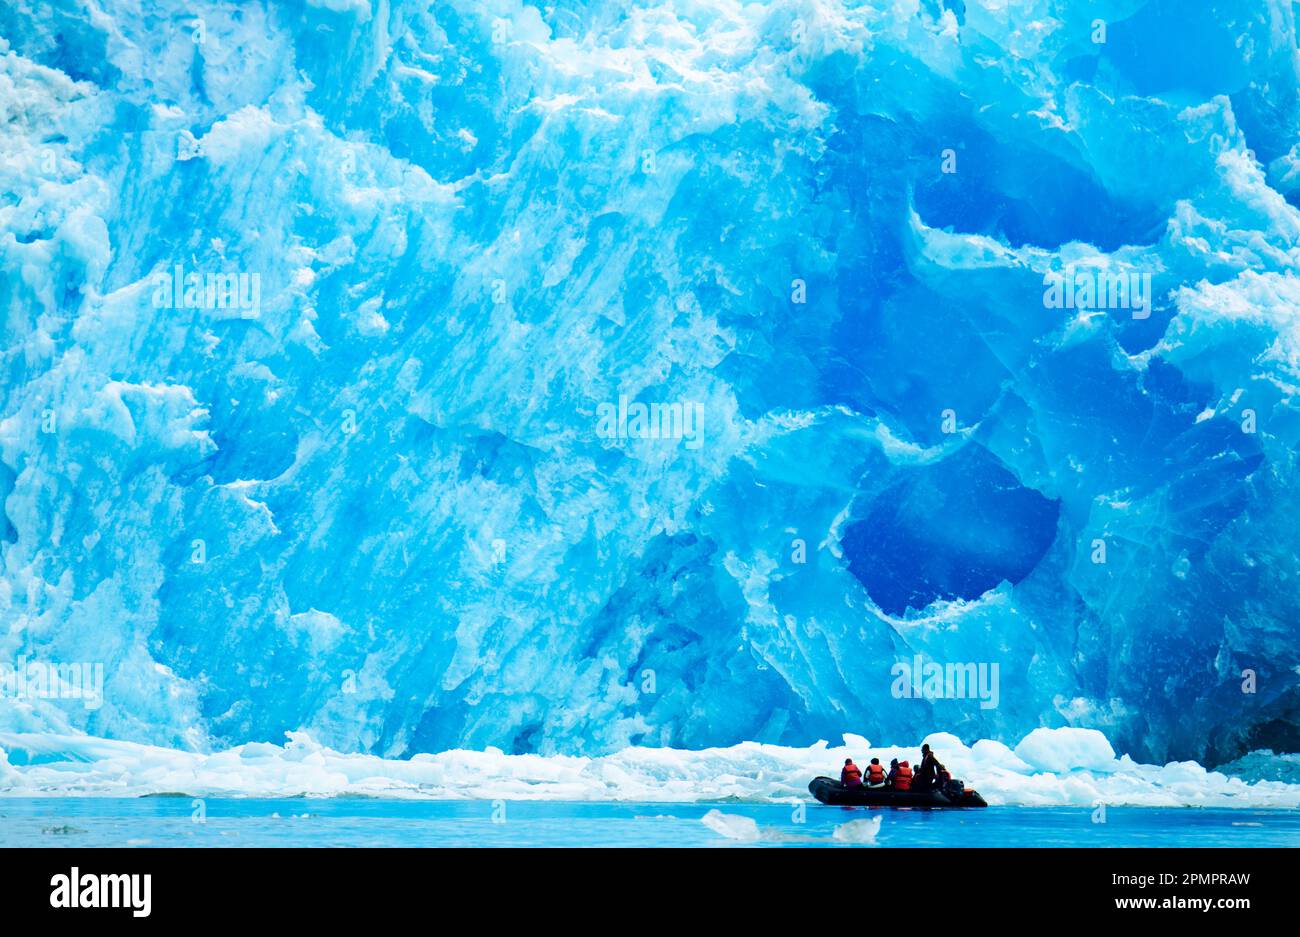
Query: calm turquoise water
pixel 171 821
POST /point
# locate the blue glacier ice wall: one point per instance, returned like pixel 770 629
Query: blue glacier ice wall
pixel 379 506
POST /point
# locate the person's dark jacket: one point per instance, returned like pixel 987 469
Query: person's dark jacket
pixel 926 772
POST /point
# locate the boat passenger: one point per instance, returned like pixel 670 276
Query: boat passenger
pixel 900 775
pixel 927 771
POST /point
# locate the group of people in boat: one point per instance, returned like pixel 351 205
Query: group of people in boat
pixel 900 776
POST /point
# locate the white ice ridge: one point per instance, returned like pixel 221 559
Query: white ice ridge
pixel 1050 767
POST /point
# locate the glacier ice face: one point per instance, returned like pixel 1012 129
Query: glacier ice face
pixel 369 497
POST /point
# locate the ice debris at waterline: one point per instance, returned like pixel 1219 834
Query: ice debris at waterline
pixel 983 316
pixel 1049 767
pixel 743 829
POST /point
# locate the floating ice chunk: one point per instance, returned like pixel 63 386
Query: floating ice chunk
pixel 858 831
pixel 989 752
pixel 732 826
pixel 944 742
pixel 1060 750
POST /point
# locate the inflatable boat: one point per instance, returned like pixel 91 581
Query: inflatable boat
pixel 829 791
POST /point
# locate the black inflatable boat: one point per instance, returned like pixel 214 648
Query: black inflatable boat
pixel 829 791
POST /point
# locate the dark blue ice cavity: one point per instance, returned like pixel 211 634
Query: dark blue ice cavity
pixel 951 530
pixel 7 532
pixel 1191 34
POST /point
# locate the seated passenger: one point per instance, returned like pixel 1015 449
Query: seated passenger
pixel 875 774
pixel 850 776
pixel 900 775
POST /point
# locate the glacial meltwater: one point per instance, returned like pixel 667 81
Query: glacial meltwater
pixel 247 822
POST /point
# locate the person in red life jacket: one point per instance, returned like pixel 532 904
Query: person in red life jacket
pixel 875 774
pixel 900 775
pixel 850 776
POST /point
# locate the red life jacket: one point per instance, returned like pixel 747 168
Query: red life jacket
pixel 850 776
pixel 875 774
pixel 903 780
